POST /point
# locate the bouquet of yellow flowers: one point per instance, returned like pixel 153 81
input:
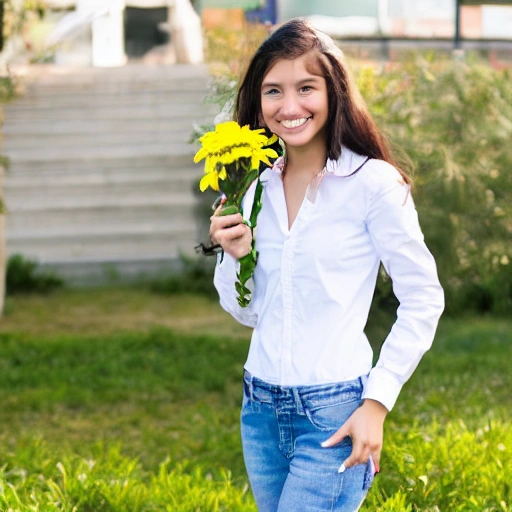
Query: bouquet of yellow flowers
pixel 233 154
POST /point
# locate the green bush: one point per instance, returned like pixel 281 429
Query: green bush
pixel 110 482
pixel 195 277
pixel 453 120
pixel 23 276
pixel 7 89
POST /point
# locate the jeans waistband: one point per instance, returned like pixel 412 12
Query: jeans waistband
pixel 261 391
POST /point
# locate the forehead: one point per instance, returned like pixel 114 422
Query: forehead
pixel 305 65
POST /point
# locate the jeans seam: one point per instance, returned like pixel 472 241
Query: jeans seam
pixel 337 493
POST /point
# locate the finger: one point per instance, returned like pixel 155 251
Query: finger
pixel 376 460
pixel 222 221
pixel 231 234
pixel 360 454
pixel 336 438
pixel 219 202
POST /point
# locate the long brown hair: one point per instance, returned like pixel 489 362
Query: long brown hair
pixel 349 122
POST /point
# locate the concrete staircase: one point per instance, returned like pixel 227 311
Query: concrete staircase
pixel 100 184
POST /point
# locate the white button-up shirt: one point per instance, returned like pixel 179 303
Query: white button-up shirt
pixel 314 283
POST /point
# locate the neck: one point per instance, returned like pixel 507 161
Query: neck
pixel 306 161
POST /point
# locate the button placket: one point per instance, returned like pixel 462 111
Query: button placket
pixel 287 270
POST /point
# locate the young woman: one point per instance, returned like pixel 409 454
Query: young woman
pixel 333 208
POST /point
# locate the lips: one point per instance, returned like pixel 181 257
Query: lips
pixel 295 123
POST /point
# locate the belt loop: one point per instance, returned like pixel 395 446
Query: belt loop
pixel 299 406
pixel 249 379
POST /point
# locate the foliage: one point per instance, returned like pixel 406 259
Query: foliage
pixel 23 276
pixel 7 89
pixel 90 421
pixel 16 14
pixel 231 50
pixel 111 482
pixel 222 89
pixel 453 119
pixel 432 464
pixel 196 276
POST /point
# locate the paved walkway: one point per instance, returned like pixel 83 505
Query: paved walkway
pixel 101 174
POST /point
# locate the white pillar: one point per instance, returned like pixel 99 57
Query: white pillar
pixel 383 17
pixel 107 31
pixel 186 32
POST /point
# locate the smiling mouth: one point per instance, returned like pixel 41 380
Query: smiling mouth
pixel 295 123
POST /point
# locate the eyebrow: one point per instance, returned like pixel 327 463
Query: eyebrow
pixel 300 82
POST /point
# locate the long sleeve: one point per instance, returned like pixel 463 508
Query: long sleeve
pixel 392 223
pixel 224 280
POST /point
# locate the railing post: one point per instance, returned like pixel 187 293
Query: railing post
pixel 457 24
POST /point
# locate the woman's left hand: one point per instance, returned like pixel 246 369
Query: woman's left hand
pixel 366 428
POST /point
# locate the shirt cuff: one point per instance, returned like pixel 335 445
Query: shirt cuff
pixel 227 266
pixel 382 386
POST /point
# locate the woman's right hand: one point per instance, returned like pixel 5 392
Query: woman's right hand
pixel 231 233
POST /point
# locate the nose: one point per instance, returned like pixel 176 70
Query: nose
pixel 290 106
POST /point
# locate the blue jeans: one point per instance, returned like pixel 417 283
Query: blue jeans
pixel 282 428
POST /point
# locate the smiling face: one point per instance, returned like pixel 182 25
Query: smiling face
pixel 294 102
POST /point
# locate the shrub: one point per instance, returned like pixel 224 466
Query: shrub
pixel 453 120
pixel 111 482
pixel 196 277
pixel 23 276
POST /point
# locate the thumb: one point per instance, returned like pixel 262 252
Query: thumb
pixel 217 205
pixel 337 437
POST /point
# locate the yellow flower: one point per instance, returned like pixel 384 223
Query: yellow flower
pixel 229 143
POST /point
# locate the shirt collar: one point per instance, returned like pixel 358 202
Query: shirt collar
pixel 345 165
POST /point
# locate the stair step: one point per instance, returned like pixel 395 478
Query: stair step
pixel 157 111
pixel 48 75
pixel 58 180
pixel 15 127
pixel 103 247
pixel 51 154
pixel 101 231
pixel 84 166
pixel 95 140
pixel 95 197
pixel 137 217
pixel 100 101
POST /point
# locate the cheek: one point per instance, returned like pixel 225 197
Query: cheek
pixel 266 111
pixel 321 104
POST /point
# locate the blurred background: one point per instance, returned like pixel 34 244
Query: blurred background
pixel 119 372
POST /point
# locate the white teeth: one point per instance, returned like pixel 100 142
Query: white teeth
pixel 294 123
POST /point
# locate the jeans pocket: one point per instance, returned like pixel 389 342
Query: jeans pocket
pixel 331 416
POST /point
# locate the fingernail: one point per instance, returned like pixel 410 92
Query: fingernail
pixel 342 468
pixel 325 444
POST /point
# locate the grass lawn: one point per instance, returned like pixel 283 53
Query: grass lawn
pixel 125 400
